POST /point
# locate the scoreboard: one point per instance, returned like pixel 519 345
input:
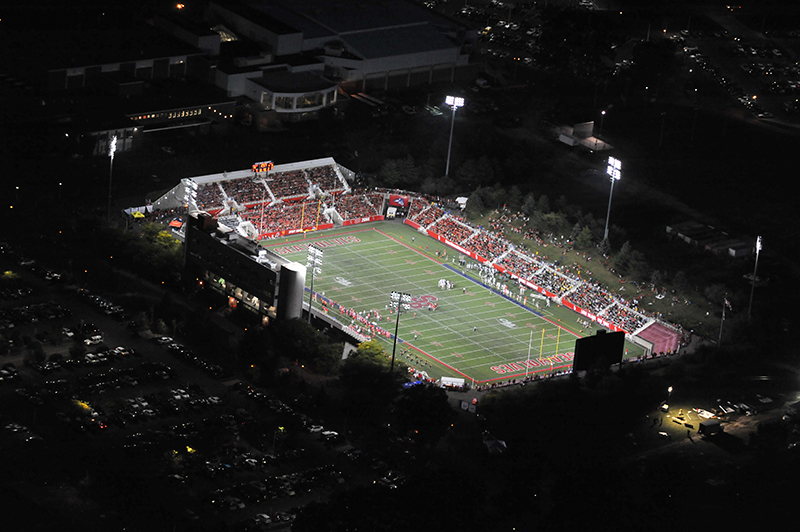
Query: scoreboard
pixel 263 168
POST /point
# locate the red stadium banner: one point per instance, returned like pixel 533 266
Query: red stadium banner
pixel 415 225
pixel 363 220
pixel 396 200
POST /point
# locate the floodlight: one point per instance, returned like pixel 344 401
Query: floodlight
pixel 401 302
pixel 614 170
pixel 455 102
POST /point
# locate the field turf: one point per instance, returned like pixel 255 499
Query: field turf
pixel 475 332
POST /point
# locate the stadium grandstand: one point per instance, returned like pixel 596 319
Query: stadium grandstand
pixel 316 195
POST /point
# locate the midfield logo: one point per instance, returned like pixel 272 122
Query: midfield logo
pixel 507 323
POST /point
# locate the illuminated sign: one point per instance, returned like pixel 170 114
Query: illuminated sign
pixel 263 168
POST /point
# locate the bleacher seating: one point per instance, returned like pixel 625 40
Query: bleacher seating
pixel 245 190
pixel 209 196
pixel 452 230
pixel 427 217
pixel 553 281
pixel 487 245
pixel 352 207
pixel 591 297
pixel 325 178
pixel 519 264
pixel 288 184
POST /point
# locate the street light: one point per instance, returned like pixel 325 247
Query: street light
pixel 112 149
pixel 614 170
pixel 602 117
pixel 400 302
pixel 314 263
pixel 753 287
pixel 455 102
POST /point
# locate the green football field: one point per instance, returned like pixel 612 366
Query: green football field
pixel 475 332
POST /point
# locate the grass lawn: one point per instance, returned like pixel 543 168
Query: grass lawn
pixel 475 332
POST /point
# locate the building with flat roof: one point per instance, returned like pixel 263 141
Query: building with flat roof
pixel 247 274
pixel 341 44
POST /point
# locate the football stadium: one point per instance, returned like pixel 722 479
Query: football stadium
pixel 452 301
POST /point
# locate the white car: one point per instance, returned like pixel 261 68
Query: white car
pixel 263 519
pixel 94 340
pixel 316 428
pixel 214 400
pixel 179 394
pixel 164 340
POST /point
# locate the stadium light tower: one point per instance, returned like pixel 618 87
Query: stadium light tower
pixel 614 171
pixel 314 263
pixel 400 302
pixel 112 149
pixel 755 270
pixel 455 102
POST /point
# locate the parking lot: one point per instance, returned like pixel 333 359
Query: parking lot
pixel 212 446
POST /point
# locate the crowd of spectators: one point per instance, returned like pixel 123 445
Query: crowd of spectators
pixel 427 217
pixel 209 196
pixel 519 264
pixel 281 217
pixel 288 184
pixel 245 190
pixel 592 297
pixel 416 207
pixel 487 245
pixel 376 200
pixel 351 207
pixel 552 281
pixel 454 231
pixel 626 318
pixel 324 177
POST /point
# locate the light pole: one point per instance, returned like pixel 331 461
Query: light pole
pixel 400 302
pixel 669 394
pixel 313 262
pixel 596 137
pixel 455 102
pixel 112 149
pixel 755 270
pixel 614 170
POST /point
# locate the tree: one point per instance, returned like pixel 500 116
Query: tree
pixel 368 388
pixel 529 206
pixel 576 230
pixel 584 239
pixel 656 279
pixel 716 293
pixel 681 280
pixel 544 204
pixel 514 199
pixel 604 247
pixel 150 231
pixel 475 173
pixel 425 412
pixel 551 222
pixel 475 203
